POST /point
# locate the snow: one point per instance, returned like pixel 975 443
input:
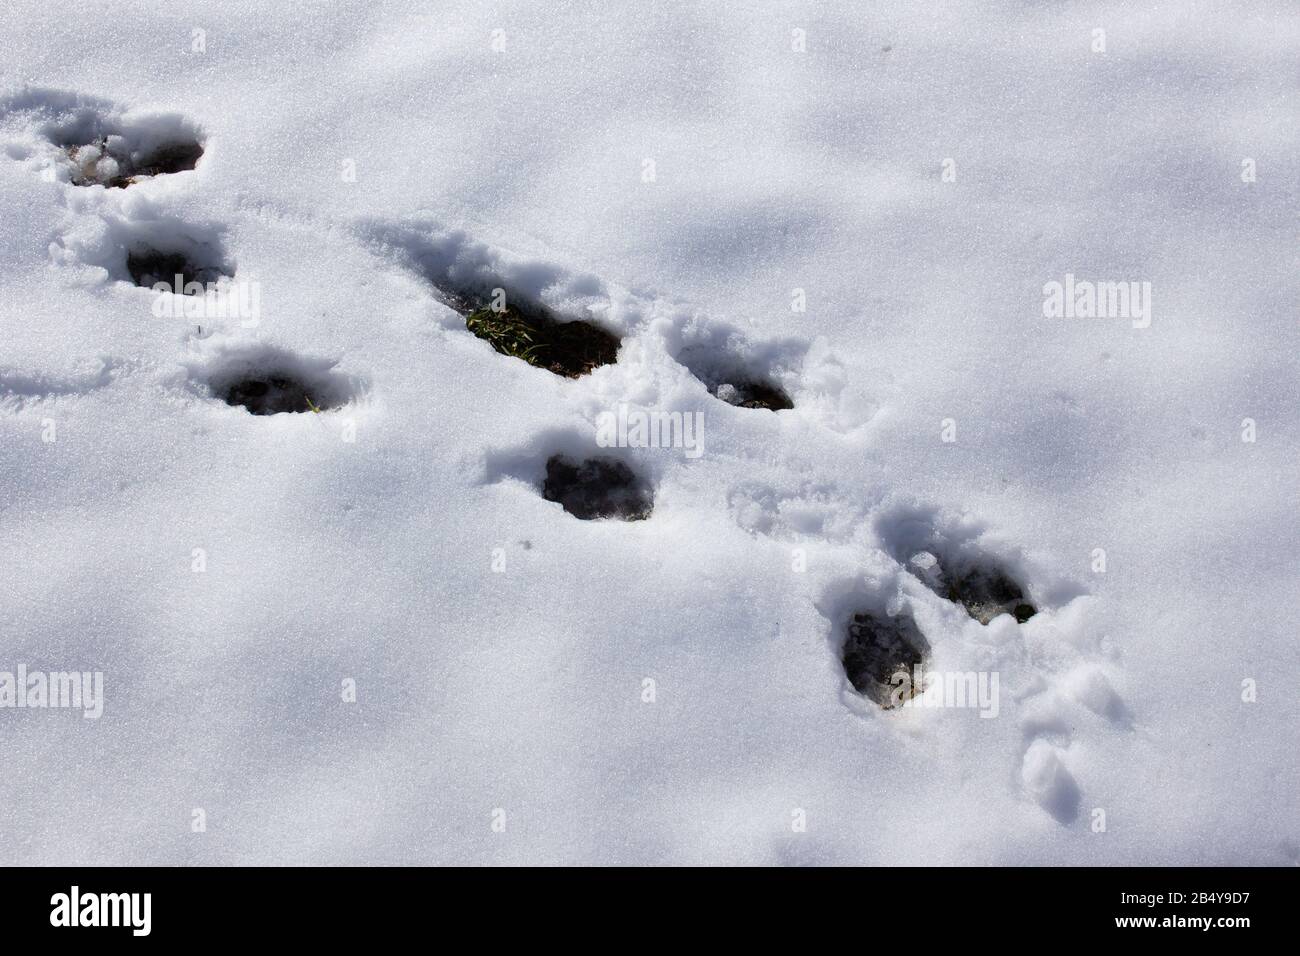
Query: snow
pixel 667 690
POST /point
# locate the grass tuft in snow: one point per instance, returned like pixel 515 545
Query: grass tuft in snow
pixel 569 349
pixel 506 332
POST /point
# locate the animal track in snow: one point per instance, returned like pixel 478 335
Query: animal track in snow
pixel 729 381
pixel 568 349
pixel 876 647
pixel 1058 677
pixel 1053 678
pixel 93 142
pixel 174 266
pixel 501 299
pixel 144 249
pixel 535 309
pixel 732 369
pixel 108 160
pixel 953 566
pixel 980 587
pixel 597 488
pixel 269 381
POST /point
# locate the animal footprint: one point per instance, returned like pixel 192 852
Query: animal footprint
pixel 877 647
pixel 269 381
pixel 569 349
pixel 93 142
pixel 145 249
pixel 109 160
pixel 734 384
pixel 952 565
pixel 501 297
pixel 175 264
pixel 597 488
pixel 731 368
pixel 976 584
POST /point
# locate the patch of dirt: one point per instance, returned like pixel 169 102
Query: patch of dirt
pixel 597 488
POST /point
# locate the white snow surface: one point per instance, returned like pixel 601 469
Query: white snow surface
pixel 522 690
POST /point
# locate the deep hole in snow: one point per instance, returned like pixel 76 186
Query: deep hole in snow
pixel 983 589
pixel 272 382
pixel 569 349
pixel 597 488
pixel 272 394
pixel 148 267
pixel 876 648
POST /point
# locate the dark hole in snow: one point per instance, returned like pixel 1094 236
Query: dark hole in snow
pixel 747 394
pixel 513 320
pixel 170 158
pixel 569 349
pixel 273 394
pixel 148 267
pixel 878 647
pixel 597 488
pixel 109 161
pixel 982 589
pixel 269 381
pixel 733 379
